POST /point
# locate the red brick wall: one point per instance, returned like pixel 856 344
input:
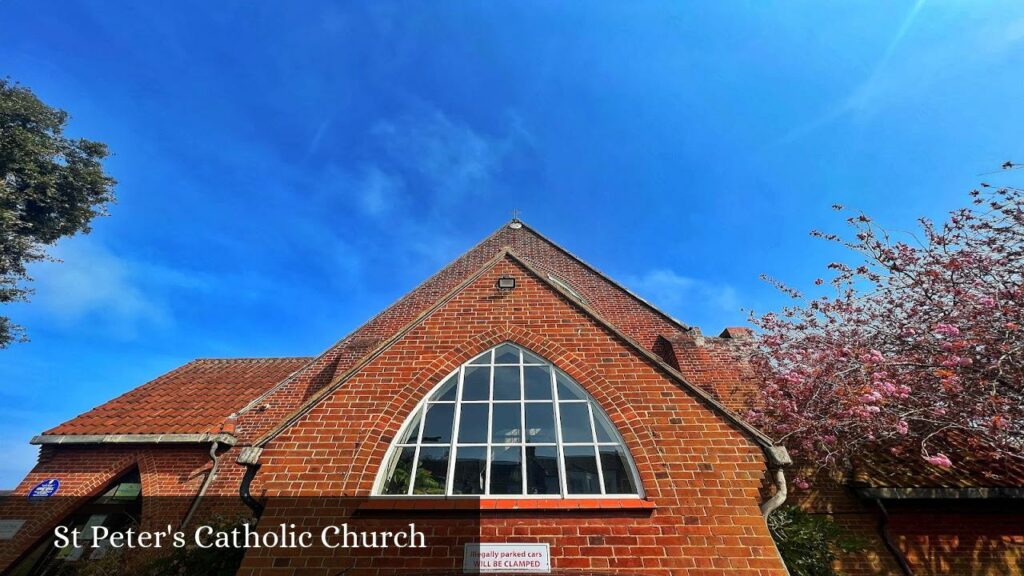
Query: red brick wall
pixel 982 538
pixel 714 364
pixel 169 476
pixel 701 473
pixel 937 537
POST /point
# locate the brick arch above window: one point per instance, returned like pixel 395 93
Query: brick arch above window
pixel 508 422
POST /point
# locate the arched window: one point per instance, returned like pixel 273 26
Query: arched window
pixel 508 423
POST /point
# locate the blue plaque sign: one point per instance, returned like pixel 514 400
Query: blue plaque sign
pixel 45 489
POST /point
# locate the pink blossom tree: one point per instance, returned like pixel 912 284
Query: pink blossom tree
pixel 921 343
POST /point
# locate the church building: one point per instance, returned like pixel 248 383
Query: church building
pixel 521 410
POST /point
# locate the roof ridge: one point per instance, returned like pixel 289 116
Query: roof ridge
pixel 252 359
pixel 336 382
pixel 515 225
pixel 729 415
pixel 756 435
pixel 358 329
pixel 607 278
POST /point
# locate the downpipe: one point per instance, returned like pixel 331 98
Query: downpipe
pixel 245 486
pixel 778 458
pixel 206 484
pixel 883 530
pixel 772 504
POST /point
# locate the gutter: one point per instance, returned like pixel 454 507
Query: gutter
pixel 939 493
pixel 61 439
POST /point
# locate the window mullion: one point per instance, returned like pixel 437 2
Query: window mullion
pixel 455 432
pixel 490 445
pixel 522 425
pixel 562 476
pixel 415 465
pixel 490 423
pixel 597 453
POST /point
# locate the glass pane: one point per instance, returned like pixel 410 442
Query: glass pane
pixel 529 358
pixel 506 354
pixel 476 383
pixel 484 358
pixel 567 389
pixel 581 470
pixel 575 422
pixel 401 469
pixel 617 477
pixel 506 470
pixel 473 424
pixel 540 422
pixel 542 470
pixel 537 382
pixel 604 429
pixel 506 383
pixel 413 432
pixel 438 427
pixel 505 426
pixel 431 471
pixel 470 465
pixel 446 393
pixel 128 491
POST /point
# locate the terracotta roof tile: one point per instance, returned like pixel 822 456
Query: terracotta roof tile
pixel 974 466
pixel 191 399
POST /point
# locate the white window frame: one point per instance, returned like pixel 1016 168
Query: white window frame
pixel 418 417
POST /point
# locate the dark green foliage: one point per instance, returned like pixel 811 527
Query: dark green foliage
pixel 809 542
pixel 195 561
pixel 188 561
pixel 51 186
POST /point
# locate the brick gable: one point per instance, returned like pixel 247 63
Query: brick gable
pixel 628 313
pixel 701 472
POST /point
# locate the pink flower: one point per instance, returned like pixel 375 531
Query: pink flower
pixel 940 460
pixel 869 398
pixel 873 356
pixel 987 301
pixel 946 329
pixel 902 427
pixel 801 483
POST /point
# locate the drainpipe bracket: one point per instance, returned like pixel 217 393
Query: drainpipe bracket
pixel 778 457
pixel 249 456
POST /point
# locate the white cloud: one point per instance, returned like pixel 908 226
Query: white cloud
pixel 679 294
pixel 379 192
pixel 453 159
pixel 913 64
pixel 92 285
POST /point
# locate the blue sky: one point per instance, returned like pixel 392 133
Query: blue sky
pixel 288 169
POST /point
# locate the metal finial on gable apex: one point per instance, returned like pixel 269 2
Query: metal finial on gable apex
pixel 516 223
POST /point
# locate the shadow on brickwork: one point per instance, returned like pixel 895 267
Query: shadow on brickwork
pixel 322 536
